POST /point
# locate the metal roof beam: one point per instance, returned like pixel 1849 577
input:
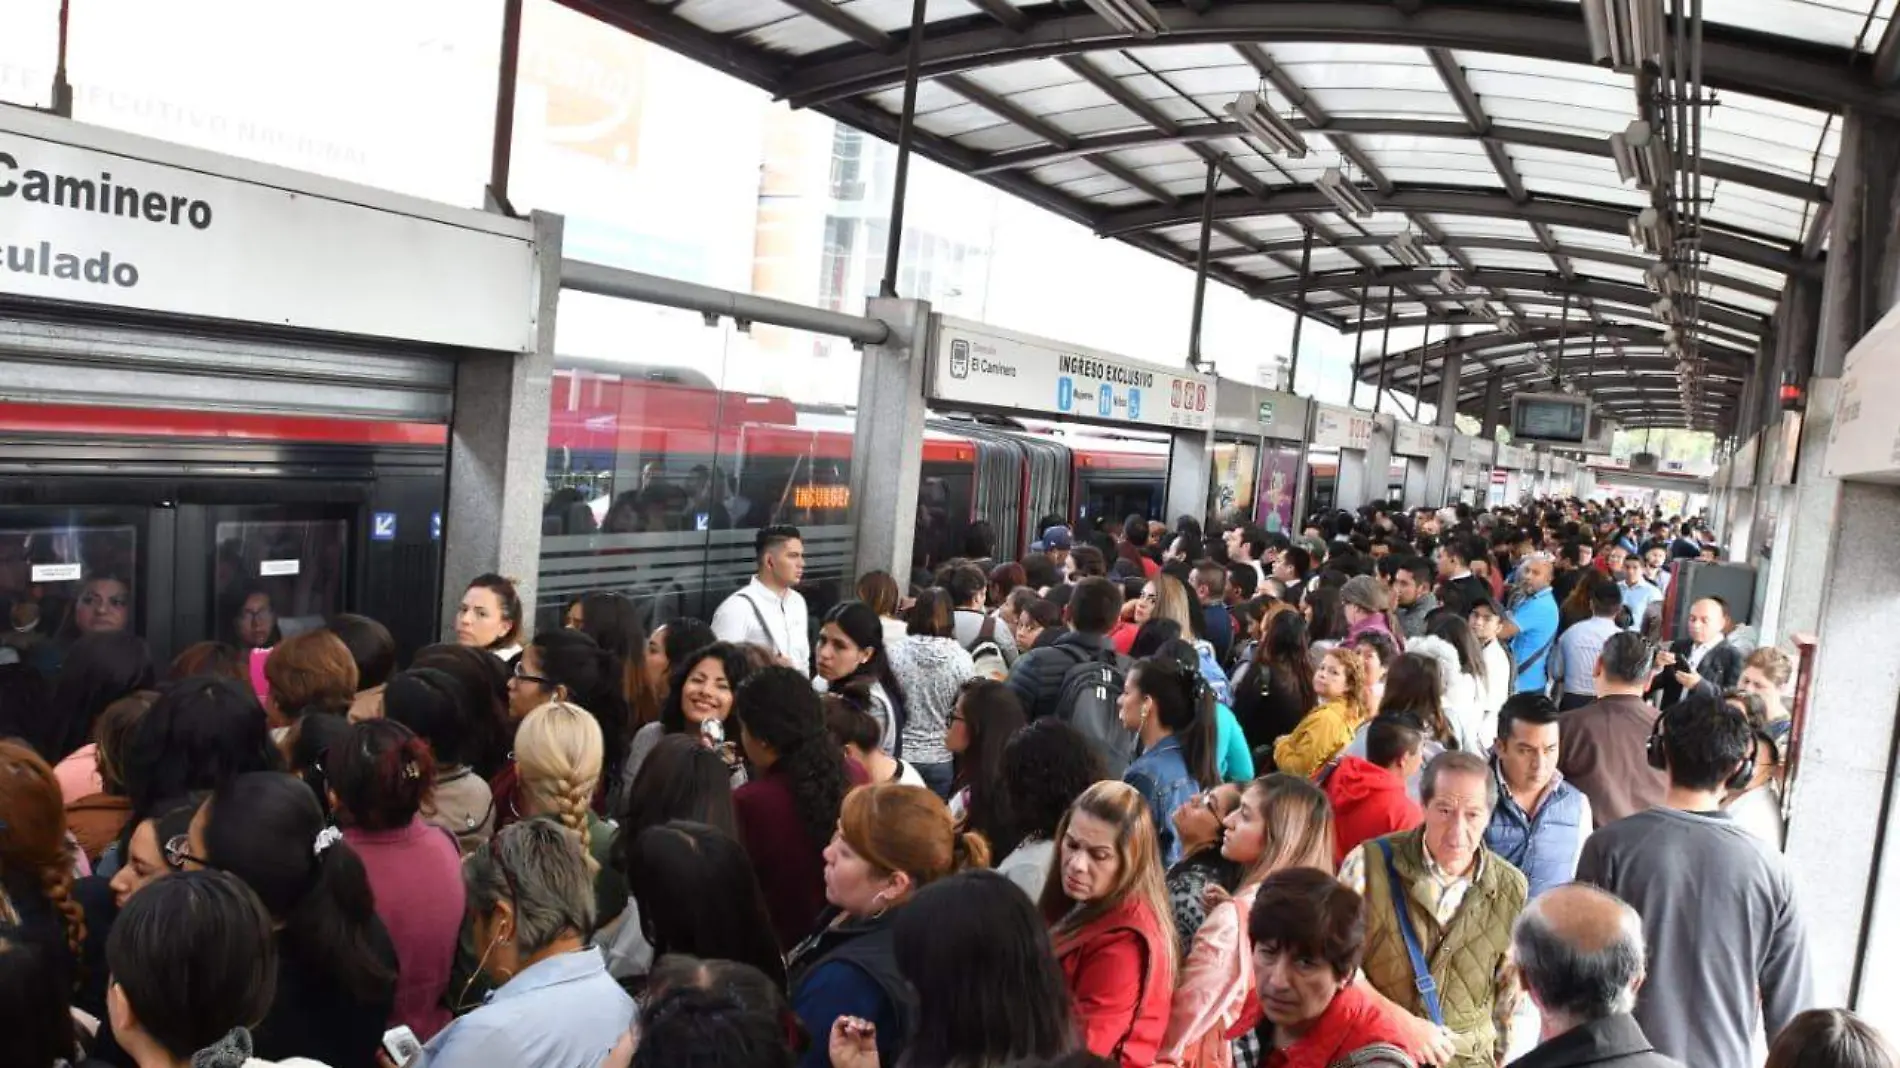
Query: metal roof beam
pixel 1887 57
pixel 1779 68
pixel 1008 112
pixel 1490 203
pixel 1530 137
pixel 843 21
pixel 1004 12
pixel 1540 330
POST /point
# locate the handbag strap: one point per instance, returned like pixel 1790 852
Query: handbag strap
pixel 763 626
pixel 1421 972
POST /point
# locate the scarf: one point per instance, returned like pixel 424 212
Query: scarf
pixel 231 1051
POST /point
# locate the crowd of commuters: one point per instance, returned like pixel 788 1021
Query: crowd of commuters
pixel 1409 789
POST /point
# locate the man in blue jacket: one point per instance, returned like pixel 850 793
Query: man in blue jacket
pixel 1541 820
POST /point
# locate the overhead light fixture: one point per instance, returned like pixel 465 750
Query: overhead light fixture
pixel 1649 232
pixel 1480 307
pixel 1404 248
pixel 1640 156
pixel 1137 17
pixel 1348 198
pixel 1450 283
pixel 1663 309
pixel 1256 116
pixel 1626 34
pixel 1508 325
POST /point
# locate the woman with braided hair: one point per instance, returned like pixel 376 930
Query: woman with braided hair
pixel 36 871
pixel 559 750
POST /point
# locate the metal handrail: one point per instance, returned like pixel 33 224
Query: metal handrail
pixel 601 280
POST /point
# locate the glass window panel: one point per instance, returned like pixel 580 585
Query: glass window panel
pixel 276 578
pixel 1421 101
pixel 29 49
pixel 65 574
pixel 1626 196
pixel 1759 221
pixel 958 120
pixel 932 97
pixel 1452 225
pixel 1006 78
pixel 1554 103
pixel 1179 57
pixel 1054 100
pixel 1001 137
pixel 416 115
pixel 893 16
pixel 1739 299
pixel 1508 260
pixel 1157 156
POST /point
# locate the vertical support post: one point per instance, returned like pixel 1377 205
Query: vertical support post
pixel 1493 405
pixel 62 88
pixel 501 152
pixel 1299 317
pixel 1450 369
pixel 1418 383
pixel 906 131
pixel 1200 264
pixel 1563 338
pixel 886 464
pixel 1385 350
pixel 1358 342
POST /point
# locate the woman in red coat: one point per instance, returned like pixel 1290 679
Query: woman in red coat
pixel 1107 902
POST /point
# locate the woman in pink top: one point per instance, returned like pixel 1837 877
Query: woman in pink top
pixel 377 787
pixel 1281 822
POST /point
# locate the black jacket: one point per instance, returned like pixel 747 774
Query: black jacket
pixel 1721 669
pixel 1612 1042
pixel 1037 676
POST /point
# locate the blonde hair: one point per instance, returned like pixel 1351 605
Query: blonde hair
pixel 1137 849
pixel 558 752
pixel 1171 602
pixel 1357 710
pixel 1299 826
pixel 1774 664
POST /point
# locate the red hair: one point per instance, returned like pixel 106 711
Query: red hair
pixel 33 835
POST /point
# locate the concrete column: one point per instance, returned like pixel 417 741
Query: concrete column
pixel 498 450
pixel 1454 364
pixel 1418 492
pixel 1379 457
pixel 1351 485
pixel 1493 407
pixel 1188 473
pixel 886 451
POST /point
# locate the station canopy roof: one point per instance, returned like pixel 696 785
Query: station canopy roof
pixel 1483 129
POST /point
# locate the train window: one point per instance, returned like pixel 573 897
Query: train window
pixel 275 578
pixel 59 582
pixel 1231 481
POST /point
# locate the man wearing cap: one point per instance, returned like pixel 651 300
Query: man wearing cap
pixel 1055 544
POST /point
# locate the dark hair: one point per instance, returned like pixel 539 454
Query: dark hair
pixel 683 635
pixel 1393 736
pixel 262 827
pixel 861 624
pixel 879 590
pixel 679 780
pixel 1244 578
pixel 504 591
pixel 698 894
pixel 1382 645
pixel 1005 579
pixel 1152 635
pixel 933 615
pixel 595 679
pixel 194 956
pixel 480 687
pixel 311 740
pixel 112 735
pixel 1412 685
pixel 428 702
pixel 1704 740
pixel 1451 628
pixel 230 607
pixel 370 645
pixel 200 733
pixel 613 621
pixel 1046 766
pixel 1830 1038
pixel 1329 618
pixel 1039 571
pixel 978 924
pixel 1088 561
pixel 36 990
pixel 965 583
pixel 211 658
pixel 776 705
pixel 382 775
pixel 1284 655
pixel 771 537
pixel 1094 606
pixel 992 714
pixel 1605 599
pixel 99 669
pixel 1532 708
pixel 732 660
pixel 1451 760
pixel 1310 913
pixel 850 724
pixel 1418 567
pixel 1627 658
pixel 1184 704
pixel 693 1028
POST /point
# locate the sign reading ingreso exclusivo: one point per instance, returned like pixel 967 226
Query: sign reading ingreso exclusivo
pixel 95 216
pixel 990 368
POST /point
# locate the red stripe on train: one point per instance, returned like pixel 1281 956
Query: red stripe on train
pixel 227 426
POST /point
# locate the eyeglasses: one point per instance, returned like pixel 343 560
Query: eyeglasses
pixel 178 852
pixel 538 680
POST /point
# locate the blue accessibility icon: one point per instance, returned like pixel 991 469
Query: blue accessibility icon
pixel 382 526
pixel 1134 404
pixel 1105 401
pixel 1065 393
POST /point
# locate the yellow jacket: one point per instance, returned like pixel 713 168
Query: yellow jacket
pixel 1320 736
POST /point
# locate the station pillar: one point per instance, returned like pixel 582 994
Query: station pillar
pixel 1190 460
pixel 887 449
pixel 498 450
pixel 1438 490
pixel 1842 584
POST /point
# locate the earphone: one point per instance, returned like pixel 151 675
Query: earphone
pixel 1656 756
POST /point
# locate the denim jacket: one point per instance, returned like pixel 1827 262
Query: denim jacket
pixel 1162 777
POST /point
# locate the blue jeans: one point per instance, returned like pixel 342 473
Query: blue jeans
pixel 938 777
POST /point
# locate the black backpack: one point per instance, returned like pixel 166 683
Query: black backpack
pixel 1090 700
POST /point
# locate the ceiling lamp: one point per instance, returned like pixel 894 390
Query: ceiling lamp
pixel 1626 34
pixel 1480 307
pixel 1650 233
pixel 1348 198
pixel 1508 325
pixel 1258 118
pixel 1404 248
pixel 1450 283
pixel 1640 157
pixel 1137 17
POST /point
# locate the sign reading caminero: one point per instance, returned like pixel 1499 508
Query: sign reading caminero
pixel 981 365
pixel 98 217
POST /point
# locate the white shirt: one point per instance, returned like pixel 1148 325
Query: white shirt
pixel 784 618
pixel 1696 653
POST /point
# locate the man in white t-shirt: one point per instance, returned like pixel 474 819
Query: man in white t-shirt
pixel 769 611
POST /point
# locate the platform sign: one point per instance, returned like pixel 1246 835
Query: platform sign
pixel 105 218
pixel 986 367
pixel 382 526
pixel 1342 428
pixel 1414 439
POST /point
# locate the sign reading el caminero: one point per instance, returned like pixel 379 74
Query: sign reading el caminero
pixel 986 367
pixel 99 217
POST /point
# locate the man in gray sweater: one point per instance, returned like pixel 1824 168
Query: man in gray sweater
pixel 1726 940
